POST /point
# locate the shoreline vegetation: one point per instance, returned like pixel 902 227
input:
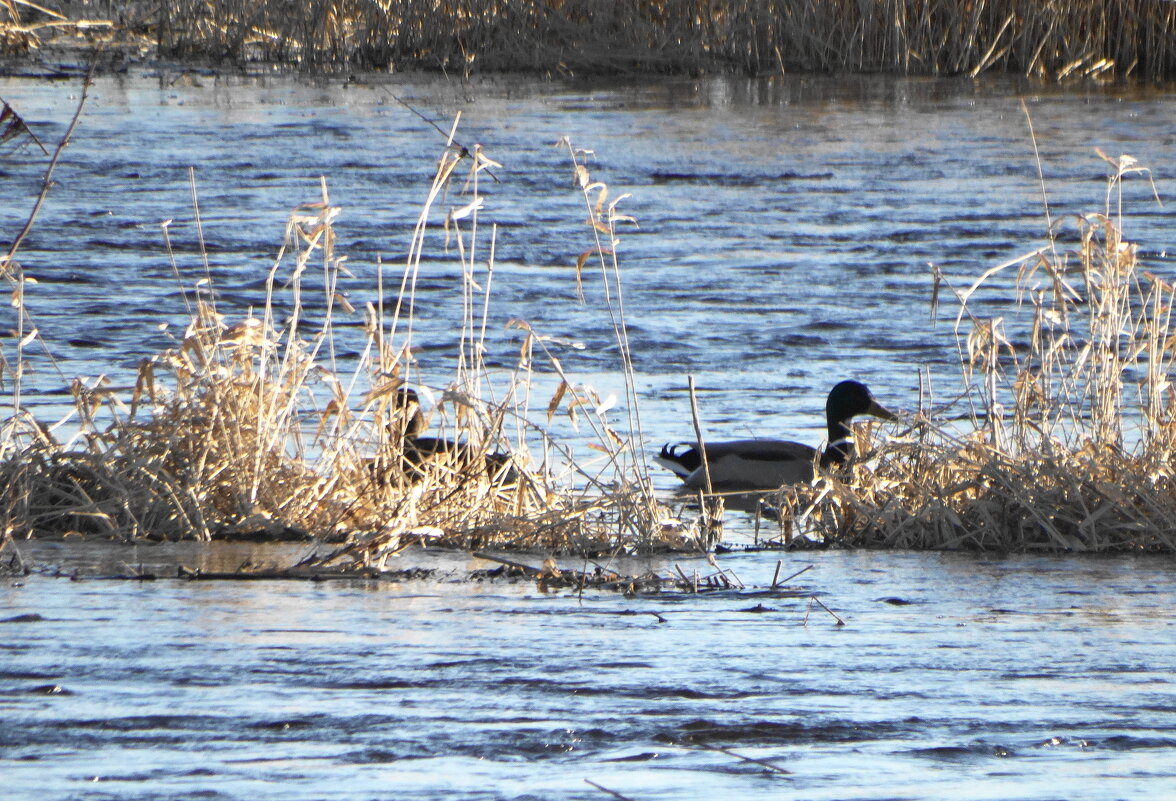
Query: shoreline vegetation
pixel 254 428
pixel 1064 439
pixel 1053 40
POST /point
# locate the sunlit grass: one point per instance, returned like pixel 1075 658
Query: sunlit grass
pixel 252 425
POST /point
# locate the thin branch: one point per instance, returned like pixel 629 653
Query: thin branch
pixel 464 151
pixel 47 182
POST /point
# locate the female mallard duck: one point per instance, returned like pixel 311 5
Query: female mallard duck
pixel 417 451
pixel 765 464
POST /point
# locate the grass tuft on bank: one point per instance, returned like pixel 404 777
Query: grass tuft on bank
pixel 1065 436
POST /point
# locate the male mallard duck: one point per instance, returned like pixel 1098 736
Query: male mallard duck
pixel 764 464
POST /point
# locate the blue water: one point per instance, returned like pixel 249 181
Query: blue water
pixel 785 227
pixel 953 677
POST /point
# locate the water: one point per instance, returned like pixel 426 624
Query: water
pixel 785 229
pixel 955 676
pixel 786 225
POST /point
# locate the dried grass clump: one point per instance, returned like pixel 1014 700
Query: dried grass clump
pixel 16 37
pixel 256 428
pixel 1072 443
pixel 81 493
pixel 931 495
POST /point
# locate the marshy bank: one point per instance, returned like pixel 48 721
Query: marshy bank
pixel 270 403
pixel 1129 39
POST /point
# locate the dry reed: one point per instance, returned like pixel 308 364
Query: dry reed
pixel 254 428
pixel 1053 39
pixel 1071 442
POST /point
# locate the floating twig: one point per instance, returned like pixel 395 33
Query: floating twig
pixel 729 752
pixel 613 793
pixel 790 578
pixel 530 571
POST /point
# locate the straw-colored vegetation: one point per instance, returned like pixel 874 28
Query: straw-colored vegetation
pixel 253 427
pixel 1053 39
pixel 1070 412
pixel 1063 439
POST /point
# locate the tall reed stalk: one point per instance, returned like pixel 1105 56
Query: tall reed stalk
pixel 1053 39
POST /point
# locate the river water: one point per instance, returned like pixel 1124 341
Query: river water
pixel 785 227
pixel 954 676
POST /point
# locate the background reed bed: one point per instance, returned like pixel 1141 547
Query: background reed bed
pixel 252 424
pixel 1052 39
pixel 1065 436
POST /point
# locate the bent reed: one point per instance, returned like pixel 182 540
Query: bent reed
pixel 1069 442
pixel 1051 39
pixel 255 427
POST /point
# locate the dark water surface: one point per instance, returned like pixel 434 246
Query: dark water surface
pixel 954 677
pixel 785 231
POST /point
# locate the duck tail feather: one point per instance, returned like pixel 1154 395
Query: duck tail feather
pixel 680 463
